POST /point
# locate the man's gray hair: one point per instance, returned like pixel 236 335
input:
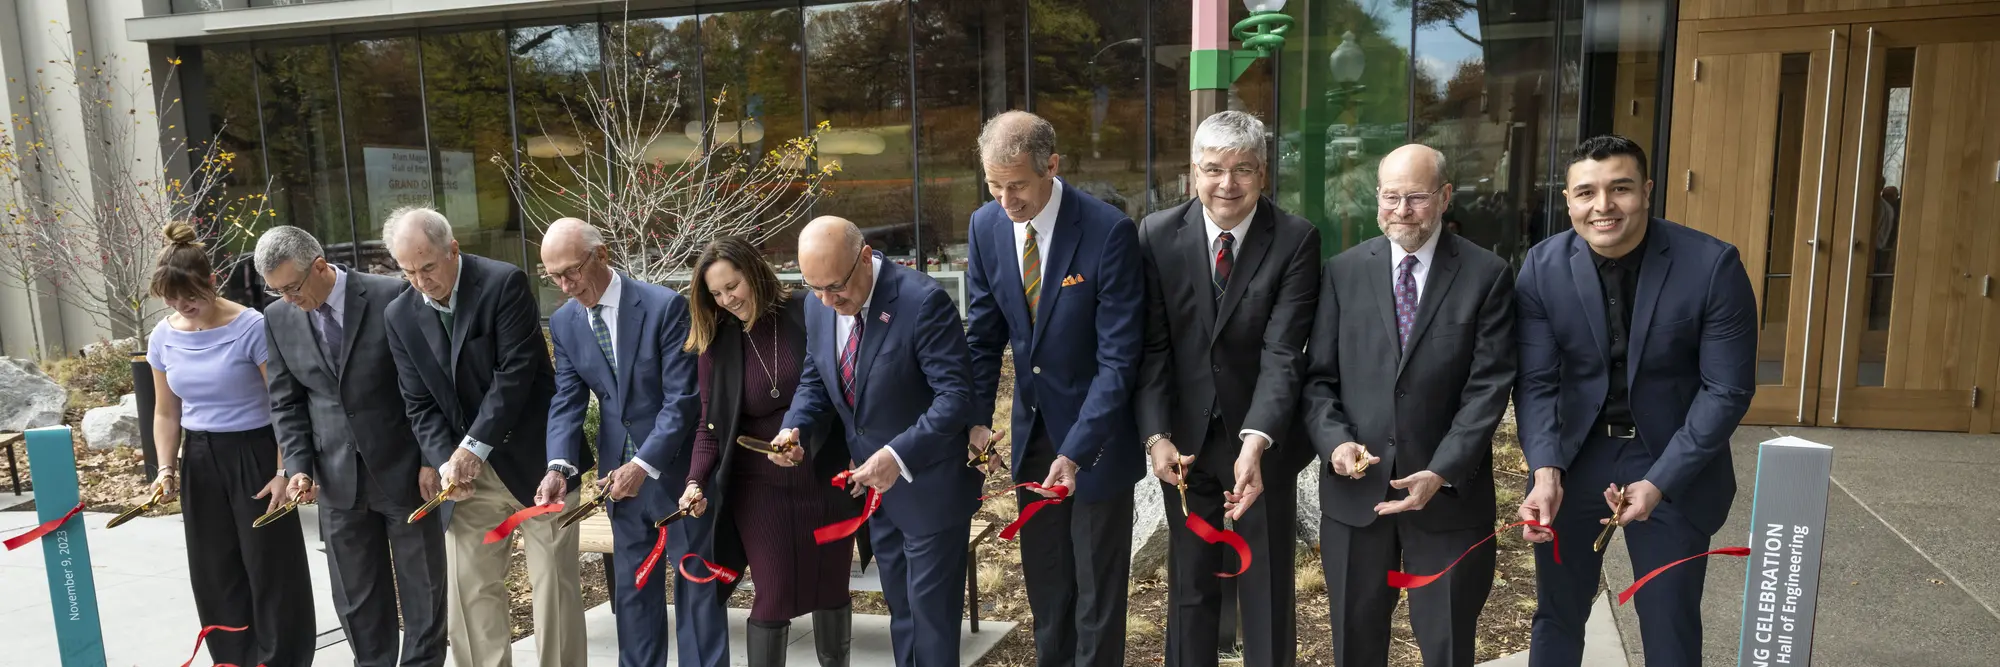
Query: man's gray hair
pixel 1231 132
pixel 1014 134
pixel 285 243
pixel 436 229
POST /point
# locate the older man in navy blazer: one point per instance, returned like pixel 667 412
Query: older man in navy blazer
pixel 620 338
pixel 1638 342
pixel 1056 272
pixel 886 355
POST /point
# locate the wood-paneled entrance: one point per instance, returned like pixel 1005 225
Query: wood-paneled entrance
pixel 1856 166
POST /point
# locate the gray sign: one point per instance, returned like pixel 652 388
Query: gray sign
pixel 1787 529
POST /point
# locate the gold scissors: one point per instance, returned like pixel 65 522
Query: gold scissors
pixel 1181 470
pixel 763 447
pixel 276 514
pixel 584 510
pixel 1361 461
pixel 159 494
pixel 985 454
pixel 433 504
pixel 1604 538
pixel 676 516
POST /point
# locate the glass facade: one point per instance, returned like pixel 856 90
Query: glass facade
pixel 346 128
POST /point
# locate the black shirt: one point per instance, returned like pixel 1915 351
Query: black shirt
pixel 1619 279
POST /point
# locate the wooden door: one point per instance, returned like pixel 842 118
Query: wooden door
pixel 1911 324
pixel 1757 120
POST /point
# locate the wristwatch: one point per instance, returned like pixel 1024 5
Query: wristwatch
pixel 1156 438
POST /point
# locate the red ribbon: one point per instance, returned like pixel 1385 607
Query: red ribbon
pixel 507 527
pixel 1725 551
pixel 1062 493
pixel 727 575
pixel 840 530
pixel 23 539
pixel 1398 579
pixel 1212 535
pixel 204 635
pixel 652 559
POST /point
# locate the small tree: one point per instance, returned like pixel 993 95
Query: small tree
pixel 658 195
pixel 91 212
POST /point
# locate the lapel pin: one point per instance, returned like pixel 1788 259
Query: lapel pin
pixel 884 317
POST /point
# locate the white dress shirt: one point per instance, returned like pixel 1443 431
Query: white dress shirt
pixel 1235 243
pixel 1424 254
pixel 609 313
pixel 1045 229
pixel 844 326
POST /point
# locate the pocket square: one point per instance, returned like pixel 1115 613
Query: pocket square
pixel 1073 280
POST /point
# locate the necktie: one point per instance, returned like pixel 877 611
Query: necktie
pixel 1406 299
pixel 445 317
pixel 1031 272
pixel 1225 260
pixel 847 355
pixel 331 336
pixel 603 335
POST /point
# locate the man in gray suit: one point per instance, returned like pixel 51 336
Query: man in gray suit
pixel 1412 359
pixel 340 423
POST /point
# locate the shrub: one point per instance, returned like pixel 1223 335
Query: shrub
pixel 96 378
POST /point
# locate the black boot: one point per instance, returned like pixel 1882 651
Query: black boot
pixel 767 642
pixel 833 634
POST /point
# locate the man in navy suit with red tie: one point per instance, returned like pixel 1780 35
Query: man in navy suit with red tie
pixel 886 355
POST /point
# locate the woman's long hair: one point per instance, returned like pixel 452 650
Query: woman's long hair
pixel 767 292
pixel 182 270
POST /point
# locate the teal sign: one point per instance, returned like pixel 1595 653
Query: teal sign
pixel 72 590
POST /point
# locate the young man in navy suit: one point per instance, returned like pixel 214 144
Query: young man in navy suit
pixel 620 338
pixel 1056 273
pixel 1638 342
pixel 886 355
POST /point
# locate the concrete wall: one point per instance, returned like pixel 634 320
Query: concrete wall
pixel 33 33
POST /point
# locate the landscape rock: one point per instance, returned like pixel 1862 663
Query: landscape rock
pixel 28 398
pixel 1149 526
pixel 1308 496
pixel 121 346
pixel 112 426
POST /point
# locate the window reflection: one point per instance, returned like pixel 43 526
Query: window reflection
pixel 1354 62
pixel 465 94
pixel 229 115
pixel 1089 81
pixel 556 70
pixel 755 55
pixel 303 143
pixel 969 56
pixel 858 64
pixel 383 107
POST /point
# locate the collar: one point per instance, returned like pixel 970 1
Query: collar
pixel 1242 229
pixel 1045 221
pixel 337 299
pixel 1424 252
pixel 455 281
pixel 1631 259
pixel 609 299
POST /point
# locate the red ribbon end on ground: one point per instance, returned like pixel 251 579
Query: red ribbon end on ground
pixel 1399 579
pixel 728 576
pixel 1210 534
pixel 507 527
pixel 1634 589
pixel 23 539
pixel 204 635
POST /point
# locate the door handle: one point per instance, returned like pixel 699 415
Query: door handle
pixel 1819 201
pixel 1853 225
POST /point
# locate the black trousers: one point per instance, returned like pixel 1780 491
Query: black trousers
pixel 1669 606
pixel 376 556
pixel 243 576
pixel 1443 615
pixel 1076 560
pixel 1265 593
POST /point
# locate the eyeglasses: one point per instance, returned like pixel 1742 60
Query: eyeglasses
pixel 838 287
pixel 1242 172
pixel 574 274
pixel 1418 201
pixel 290 291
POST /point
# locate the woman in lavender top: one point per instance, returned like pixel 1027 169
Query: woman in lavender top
pixel 212 420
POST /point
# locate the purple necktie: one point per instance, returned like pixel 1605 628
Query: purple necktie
pixel 1406 300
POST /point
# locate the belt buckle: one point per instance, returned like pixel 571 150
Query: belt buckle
pixel 1621 432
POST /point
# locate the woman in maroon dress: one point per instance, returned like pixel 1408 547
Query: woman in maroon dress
pixel 766 513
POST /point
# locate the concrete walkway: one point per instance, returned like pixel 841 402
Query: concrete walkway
pixel 147 610
pixel 1909 576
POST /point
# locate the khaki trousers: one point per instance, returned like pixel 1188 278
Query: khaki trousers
pixel 478 571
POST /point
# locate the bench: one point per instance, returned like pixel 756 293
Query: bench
pixel 8 440
pixel 594 536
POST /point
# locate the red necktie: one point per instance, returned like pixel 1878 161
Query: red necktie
pixel 1223 263
pixel 847 355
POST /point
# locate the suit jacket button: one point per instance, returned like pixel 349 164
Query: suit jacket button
pixel 350 415
pixel 628 423
pixel 861 431
pixel 1400 393
pixel 1038 370
pixel 1215 368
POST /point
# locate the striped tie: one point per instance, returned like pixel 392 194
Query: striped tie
pixel 1031 272
pixel 847 355
pixel 603 335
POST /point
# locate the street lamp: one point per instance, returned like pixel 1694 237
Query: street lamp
pixel 1262 34
pixel 1346 64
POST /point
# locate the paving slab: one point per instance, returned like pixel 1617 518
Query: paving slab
pixel 1878 603
pixel 1601 644
pixel 870 646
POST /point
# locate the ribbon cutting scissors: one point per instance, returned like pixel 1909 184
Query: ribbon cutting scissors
pixel 1181 470
pixel 676 516
pixel 1604 538
pixel 159 494
pixel 1361 461
pixel 433 504
pixel 275 514
pixel 985 454
pixel 574 516
pixel 763 447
